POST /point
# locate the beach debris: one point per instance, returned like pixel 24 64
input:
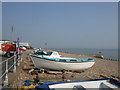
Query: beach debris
pixel 27 83
pixel 34 73
pixel 31 70
pixel 27 87
pixel 54 72
pixel 37 79
pixel 104 76
pixel 115 77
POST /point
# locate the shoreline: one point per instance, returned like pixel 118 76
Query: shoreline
pixel 91 52
pixel 83 55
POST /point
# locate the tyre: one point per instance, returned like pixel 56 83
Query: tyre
pixel 8 54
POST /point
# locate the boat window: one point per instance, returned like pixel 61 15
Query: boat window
pixel 62 60
pixel 90 59
pixel 73 60
pixel 49 53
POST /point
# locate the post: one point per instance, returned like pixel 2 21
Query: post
pixel 14 66
pixel 18 46
pixel 6 80
pixel 42 70
pixel 18 63
pixel 21 59
pixel 6 76
pixel 6 70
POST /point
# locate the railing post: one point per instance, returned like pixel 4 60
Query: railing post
pixel 18 63
pixel 21 59
pixel 6 77
pixel 18 57
pixel 14 66
pixel 6 66
pixel 6 80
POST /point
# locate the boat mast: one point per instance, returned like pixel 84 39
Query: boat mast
pixel 12 29
pixel 46 44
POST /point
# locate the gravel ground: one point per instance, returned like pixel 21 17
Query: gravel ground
pixel 101 69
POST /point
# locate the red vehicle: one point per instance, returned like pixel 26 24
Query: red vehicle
pixel 8 49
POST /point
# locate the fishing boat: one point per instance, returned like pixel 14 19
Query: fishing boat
pixel 101 84
pixel 52 60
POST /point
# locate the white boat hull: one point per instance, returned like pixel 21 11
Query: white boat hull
pixel 55 65
pixel 89 84
pixel 97 84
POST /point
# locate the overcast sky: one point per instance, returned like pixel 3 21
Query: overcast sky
pixel 62 25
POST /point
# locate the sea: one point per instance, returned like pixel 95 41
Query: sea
pixel 110 54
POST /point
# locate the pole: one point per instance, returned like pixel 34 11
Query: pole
pixel 18 49
pixel 14 69
pixel 18 46
pixel 12 32
pixel 6 76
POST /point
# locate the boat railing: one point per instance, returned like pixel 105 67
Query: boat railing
pixel 7 66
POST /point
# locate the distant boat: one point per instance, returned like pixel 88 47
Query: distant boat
pixel 52 60
pixel 99 55
pixel 101 84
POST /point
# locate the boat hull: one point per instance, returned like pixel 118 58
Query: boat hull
pixel 99 84
pixel 55 65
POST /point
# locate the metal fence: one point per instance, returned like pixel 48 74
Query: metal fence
pixel 7 66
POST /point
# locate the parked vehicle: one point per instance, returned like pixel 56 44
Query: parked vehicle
pixel 7 49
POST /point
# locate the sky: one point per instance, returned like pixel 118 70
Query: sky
pixel 62 24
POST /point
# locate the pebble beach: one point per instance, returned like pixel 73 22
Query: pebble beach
pixel 101 69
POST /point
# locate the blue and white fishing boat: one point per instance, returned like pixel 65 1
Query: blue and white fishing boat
pixel 52 60
pixel 101 84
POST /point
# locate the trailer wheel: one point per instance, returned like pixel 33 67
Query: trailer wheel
pixel 8 54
